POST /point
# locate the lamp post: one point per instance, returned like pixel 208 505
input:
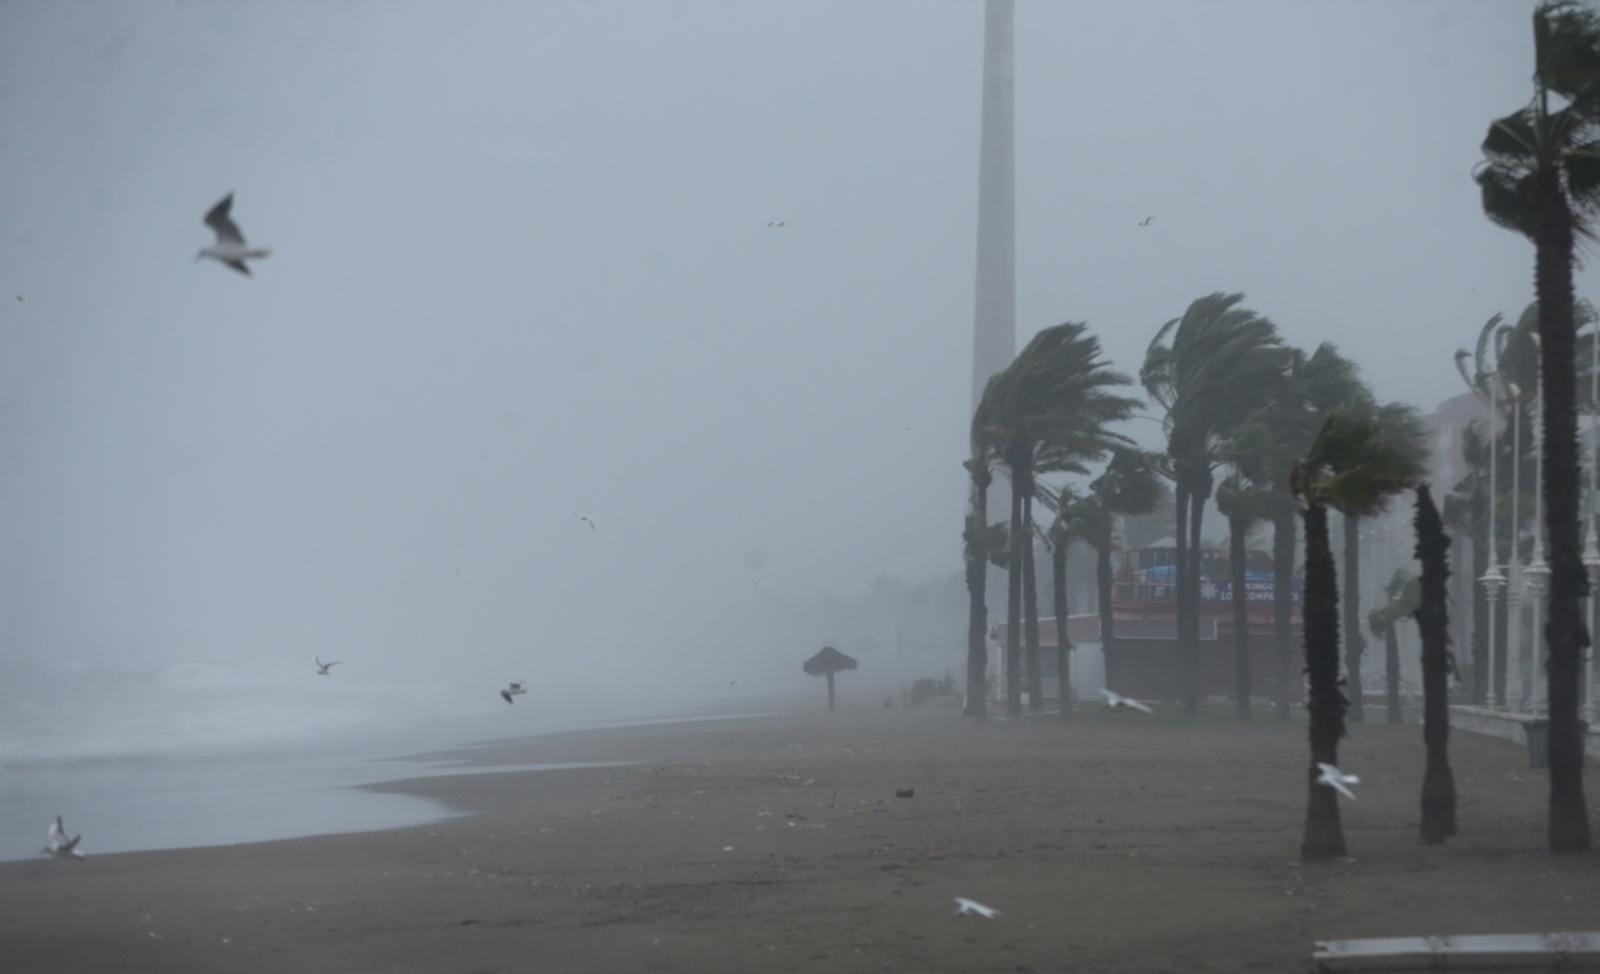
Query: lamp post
pixel 1514 628
pixel 1538 572
pixel 1493 582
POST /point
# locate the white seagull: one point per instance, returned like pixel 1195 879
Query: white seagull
pixel 515 689
pixel 323 668
pixel 1336 779
pixel 972 908
pixel 1115 700
pixel 230 247
pixel 58 845
pixel 586 519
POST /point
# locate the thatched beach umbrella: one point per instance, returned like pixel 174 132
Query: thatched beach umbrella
pixel 826 663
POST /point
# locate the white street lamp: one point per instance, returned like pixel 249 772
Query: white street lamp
pixel 1538 572
pixel 1514 629
pixel 1493 581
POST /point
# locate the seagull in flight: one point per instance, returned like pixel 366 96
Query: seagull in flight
pixel 586 519
pixel 1146 221
pixel 515 689
pixel 1336 779
pixel 776 224
pixel 230 247
pixel 57 844
pixel 323 668
pixel 1115 700
pixel 972 908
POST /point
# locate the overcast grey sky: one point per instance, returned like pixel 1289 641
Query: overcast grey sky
pixel 523 269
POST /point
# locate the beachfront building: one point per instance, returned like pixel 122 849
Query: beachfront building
pixel 1144 662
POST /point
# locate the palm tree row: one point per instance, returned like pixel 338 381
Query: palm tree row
pixel 1297 434
pixel 1051 410
pixel 1232 396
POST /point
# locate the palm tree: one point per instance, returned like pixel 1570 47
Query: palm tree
pixel 1244 504
pixel 1060 538
pixel 1030 611
pixel 1051 411
pixel 1356 464
pixel 1433 619
pixel 978 546
pixel 1402 593
pixel 1209 370
pixel 1278 435
pixel 1541 177
pixel 973 543
pixel 1400 417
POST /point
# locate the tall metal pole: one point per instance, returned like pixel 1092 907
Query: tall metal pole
pixel 1493 581
pixel 994 318
pixel 1514 629
pixel 1538 572
pixel 994 328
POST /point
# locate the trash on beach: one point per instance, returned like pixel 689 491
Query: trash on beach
pixel 905 793
pixel 727 848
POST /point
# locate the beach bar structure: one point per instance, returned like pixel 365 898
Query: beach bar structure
pixel 1144 662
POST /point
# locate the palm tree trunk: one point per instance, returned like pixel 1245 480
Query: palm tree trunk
pixel 1180 591
pixel 1237 529
pixel 1197 503
pixel 1030 608
pixel 1283 542
pixel 1014 602
pixel 1391 673
pixel 1058 565
pixel 1324 834
pixel 1433 621
pixel 1104 592
pixel 1565 632
pixel 1354 644
pixel 977 586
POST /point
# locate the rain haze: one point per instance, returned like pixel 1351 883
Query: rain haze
pixel 699 272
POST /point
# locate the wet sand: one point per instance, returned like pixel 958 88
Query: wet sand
pixel 1115 842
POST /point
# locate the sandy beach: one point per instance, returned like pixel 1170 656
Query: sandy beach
pixel 1113 842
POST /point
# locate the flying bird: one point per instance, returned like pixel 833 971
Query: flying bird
pixel 586 519
pixel 230 247
pixel 1336 779
pixel 57 844
pixel 1146 221
pixel 323 668
pixel 515 689
pixel 1115 700
pixel 972 908
pixel 776 224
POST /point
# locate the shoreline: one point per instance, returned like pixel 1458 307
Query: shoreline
pixel 1109 843
pixel 149 803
